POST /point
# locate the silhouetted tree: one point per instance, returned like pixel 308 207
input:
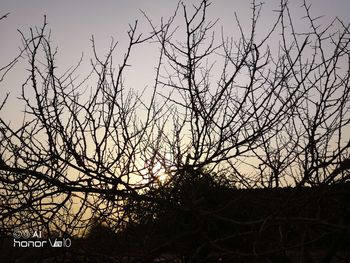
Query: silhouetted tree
pixel 223 113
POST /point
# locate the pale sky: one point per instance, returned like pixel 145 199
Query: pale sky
pixel 74 22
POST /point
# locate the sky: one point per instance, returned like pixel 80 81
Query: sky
pixel 72 24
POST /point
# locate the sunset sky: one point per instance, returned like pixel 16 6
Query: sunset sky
pixel 72 24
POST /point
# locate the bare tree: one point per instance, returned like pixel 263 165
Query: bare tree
pixel 74 151
pixel 267 117
pixel 222 114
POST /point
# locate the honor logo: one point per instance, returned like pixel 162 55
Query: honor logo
pixel 20 240
pixel 29 243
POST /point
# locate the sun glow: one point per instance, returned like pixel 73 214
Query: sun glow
pixel 154 173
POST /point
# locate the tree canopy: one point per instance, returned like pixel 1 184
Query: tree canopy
pixel 224 113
